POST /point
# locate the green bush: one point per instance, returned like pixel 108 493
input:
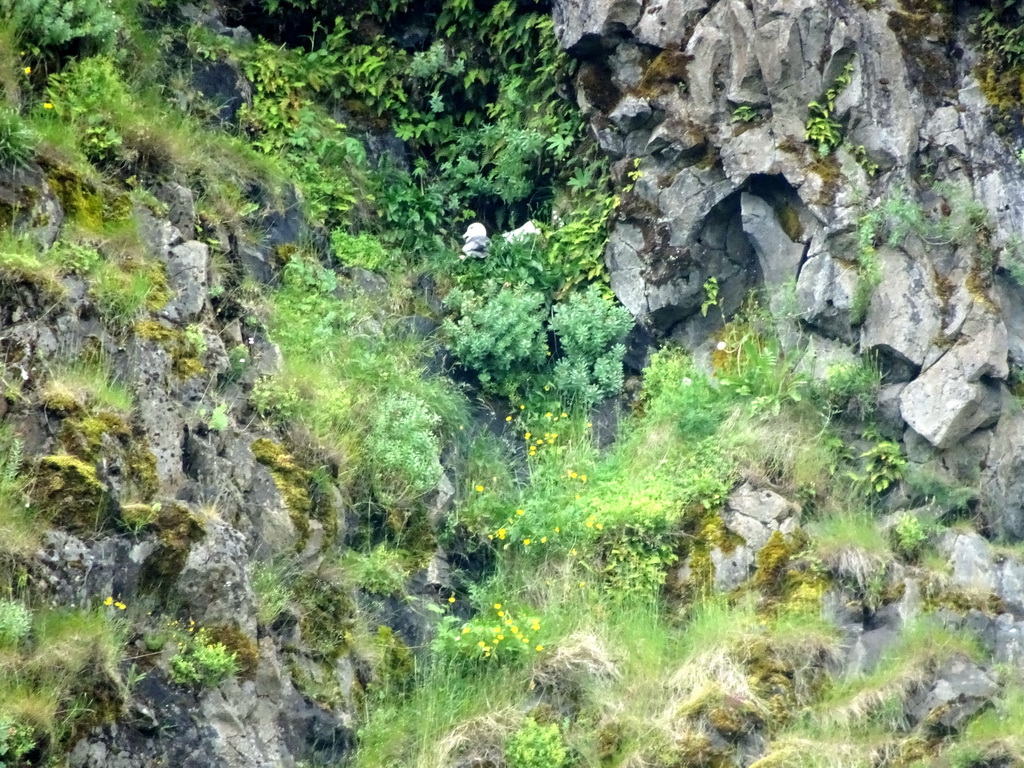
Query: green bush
pixel 500 336
pixel 16 741
pixel 200 661
pixel 536 746
pixel 381 571
pixel 15 622
pixel 403 449
pixel 363 251
pixel 52 25
pixel 91 95
pixel 17 142
pixel 590 330
pixel 909 535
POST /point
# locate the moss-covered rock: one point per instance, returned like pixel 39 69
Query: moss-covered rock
pixel 185 362
pixel 328 613
pixel 178 530
pixel 304 492
pixel 247 653
pixel 68 493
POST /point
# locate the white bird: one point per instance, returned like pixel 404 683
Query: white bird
pixel 476 240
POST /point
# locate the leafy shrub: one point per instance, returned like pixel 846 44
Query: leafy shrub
pixel 675 389
pixel 496 634
pixel 200 661
pixel 403 449
pixel 91 95
pixel 363 251
pixel 17 142
pixel 909 535
pixel 15 622
pixel 590 330
pixel 51 25
pixel 851 388
pixel 381 571
pixel 885 464
pixel 16 741
pixel 536 746
pixel 500 335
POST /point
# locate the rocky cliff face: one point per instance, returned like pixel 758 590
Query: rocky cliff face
pixel 842 158
pixel 710 107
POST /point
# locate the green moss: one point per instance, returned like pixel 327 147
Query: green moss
pixel 831 175
pixel 773 564
pixel 396 665
pixel 81 202
pixel 328 613
pixel 291 480
pixel 103 434
pixel 789 219
pixel 178 530
pixel 184 362
pixel 247 652
pixel 666 71
pixel 68 493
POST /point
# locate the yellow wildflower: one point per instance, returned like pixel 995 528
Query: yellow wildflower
pixel 526 542
pixel 543 539
pixel 27 70
pixel 497 606
pixel 526 436
pixel 540 648
pixel 479 489
pixel 508 418
pixel 565 415
pixel 451 598
pixel 109 601
pixel 501 614
pixel 520 512
pixel 47 105
pixel 547 415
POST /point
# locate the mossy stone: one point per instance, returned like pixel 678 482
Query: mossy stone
pixel 247 653
pixel 69 494
pixel 184 362
pixel 293 481
pixel 328 613
pixel 81 202
pixel 178 530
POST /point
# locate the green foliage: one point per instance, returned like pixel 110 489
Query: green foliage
pixel 849 388
pixel 381 571
pixel 909 535
pixel 16 741
pixel 497 634
pixel 364 251
pixel 403 448
pixel 884 465
pixel 91 95
pixel 590 330
pixel 536 746
pixel 745 114
pixel 15 623
pixel 753 366
pixel 500 335
pixel 822 128
pixel 17 141
pixel 54 26
pixel 19 531
pixel 272 584
pixel 201 661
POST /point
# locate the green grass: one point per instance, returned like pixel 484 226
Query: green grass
pixel 853 546
pixel 21 262
pixel 20 531
pixel 49 686
pixel 86 384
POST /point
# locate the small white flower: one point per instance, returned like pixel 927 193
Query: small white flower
pixel 24 375
pixel 687 381
pixel 721 346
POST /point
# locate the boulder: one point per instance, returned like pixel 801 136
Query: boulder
pixel 904 315
pixel 587 26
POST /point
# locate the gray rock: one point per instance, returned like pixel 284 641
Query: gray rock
pixel 974 568
pixel 824 292
pixel 961 689
pixel 214 583
pixel 731 568
pixel 188 266
pixel 28 205
pixel 181 207
pixel 588 25
pixel 904 315
pixel 949 401
pixel 1002 479
pixel 778 256
pixel 631 114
